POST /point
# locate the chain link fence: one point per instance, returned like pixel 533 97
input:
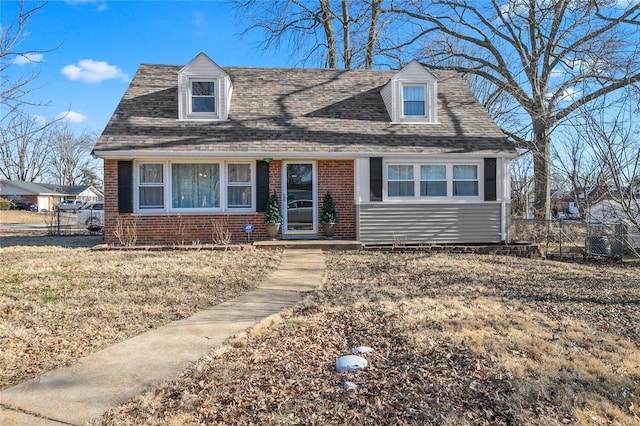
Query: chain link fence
pixel 566 239
pixel 70 223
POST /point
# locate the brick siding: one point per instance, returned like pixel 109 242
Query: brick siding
pixel 334 176
pixel 337 178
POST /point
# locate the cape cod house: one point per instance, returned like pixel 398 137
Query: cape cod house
pixel 407 155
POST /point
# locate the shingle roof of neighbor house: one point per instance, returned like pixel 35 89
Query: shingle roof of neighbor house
pixel 278 110
pixel 34 188
pixel 48 188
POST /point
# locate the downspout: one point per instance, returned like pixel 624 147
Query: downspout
pixel 505 182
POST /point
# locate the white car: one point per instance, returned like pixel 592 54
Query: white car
pixel 70 205
pixel 92 214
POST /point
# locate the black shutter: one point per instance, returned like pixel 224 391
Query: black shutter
pixel 125 186
pixel 490 179
pixel 262 185
pixel 375 178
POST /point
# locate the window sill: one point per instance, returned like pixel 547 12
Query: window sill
pixel 415 122
pixel 192 213
pixel 202 119
pixel 432 200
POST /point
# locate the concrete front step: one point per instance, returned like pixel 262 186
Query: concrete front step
pixel 311 244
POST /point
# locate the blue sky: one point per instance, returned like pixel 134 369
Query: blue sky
pixel 97 45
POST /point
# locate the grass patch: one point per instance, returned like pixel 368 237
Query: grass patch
pixel 458 340
pixel 21 217
pixel 58 304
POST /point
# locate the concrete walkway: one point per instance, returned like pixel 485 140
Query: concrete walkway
pixel 81 392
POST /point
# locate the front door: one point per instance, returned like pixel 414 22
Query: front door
pixel 299 183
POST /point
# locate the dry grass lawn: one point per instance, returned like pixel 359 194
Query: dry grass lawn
pixel 50 219
pixel 21 217
pixel 60 301
pixel 458 340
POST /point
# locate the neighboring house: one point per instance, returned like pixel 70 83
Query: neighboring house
pixel 30 192
pixel 577 203
pixel 409 156
pixel 608 211
pixel 84 193
pixel 46 195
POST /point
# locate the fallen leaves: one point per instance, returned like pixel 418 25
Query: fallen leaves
pixel 461 340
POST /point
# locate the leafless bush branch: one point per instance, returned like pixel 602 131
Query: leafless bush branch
pixel 220 233
pixel 126 231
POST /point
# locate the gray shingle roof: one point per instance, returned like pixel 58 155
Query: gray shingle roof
pixel 66 189
pixel 278 110
pixel 45 188
pixel 31 188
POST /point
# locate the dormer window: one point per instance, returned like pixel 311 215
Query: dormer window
pixel 204 91
pixel 411 95
pixel 413 100
pixel 203 97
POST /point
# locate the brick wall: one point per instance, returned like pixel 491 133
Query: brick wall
pixel 110 199
pixel 336 177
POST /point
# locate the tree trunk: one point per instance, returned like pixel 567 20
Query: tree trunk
pixel 327 24
pixel 541 169
pixel 371 41
pixel 346 44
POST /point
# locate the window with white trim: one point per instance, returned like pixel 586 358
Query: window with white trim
pixel 151 186
pixel 465 180
pixel 400 181
pixel 414 100
pixel 239 185
pixel 194 187
pixel 431 181
pixel 203 97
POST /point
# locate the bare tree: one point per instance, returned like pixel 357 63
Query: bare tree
pixel 372 35
pixel 13 90
pixel 578 164
pixel 311 29
pixel 612 135
pixel 70 154
pixel 550 57
pixel 24 148
pixel 89 176
pixel 521 185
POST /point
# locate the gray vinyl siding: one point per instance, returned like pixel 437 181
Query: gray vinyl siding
pixel 387 97
pixel 386 223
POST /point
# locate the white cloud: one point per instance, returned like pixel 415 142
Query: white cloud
pixel 39 119
pixel 557 72
pixel 91 71
pixel 569 94
pixel 71 117
pixel 102 5
pixel 28 58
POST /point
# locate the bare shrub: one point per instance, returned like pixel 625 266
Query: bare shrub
pixel 180 230
pixel 220 233
pixel 126 231
pixel 399 241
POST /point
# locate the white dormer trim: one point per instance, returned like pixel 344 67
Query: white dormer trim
pixel 203 69
pixel 413 74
